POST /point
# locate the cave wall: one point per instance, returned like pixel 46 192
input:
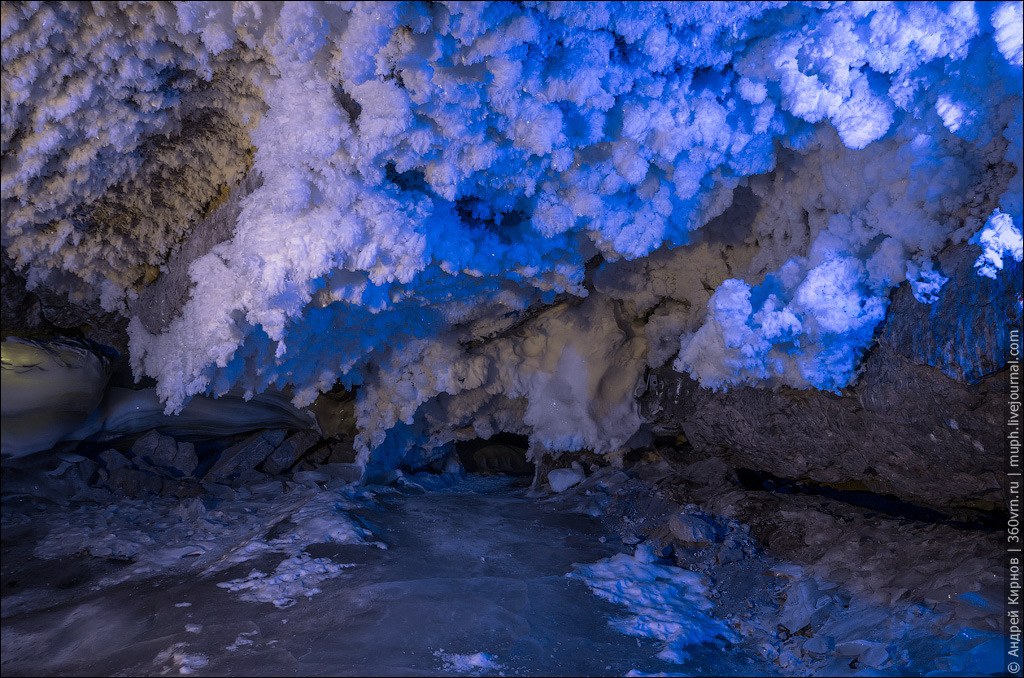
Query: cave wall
pixel 923 423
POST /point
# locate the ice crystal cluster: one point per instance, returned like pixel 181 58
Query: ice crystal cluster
pixel 494 216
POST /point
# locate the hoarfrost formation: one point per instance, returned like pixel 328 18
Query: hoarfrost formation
pixel 496 216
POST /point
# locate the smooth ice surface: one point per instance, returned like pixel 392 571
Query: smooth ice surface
pixel 55 389
pixel 49 391
pixel 473 581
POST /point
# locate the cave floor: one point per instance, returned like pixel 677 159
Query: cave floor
pixel 468 580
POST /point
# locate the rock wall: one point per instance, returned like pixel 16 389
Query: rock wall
pixel 923 423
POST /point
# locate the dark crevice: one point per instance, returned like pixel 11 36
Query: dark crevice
pixel 347 103
pixel 887 504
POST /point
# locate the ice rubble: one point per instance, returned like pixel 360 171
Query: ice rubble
pixel 166 535
pixel 666 602
pixel 833 593
pixel 471 664
pixel 294 576
pixel 433 173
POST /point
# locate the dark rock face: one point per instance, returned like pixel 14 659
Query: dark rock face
pixel 25 313
pixel 247 454
pixel 19 308
pixel 942 445
pixel 160 302
pixel 289 451
pixel 966 333
pixel 165 452
pixel 923 423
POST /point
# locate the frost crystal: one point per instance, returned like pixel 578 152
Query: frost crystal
pixel 760 175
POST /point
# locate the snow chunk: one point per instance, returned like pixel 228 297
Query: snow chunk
pixel 664 602
pixel 561 479
pixel 295 576
pixel 1008 22
pixel 175 657
pixel 1000 238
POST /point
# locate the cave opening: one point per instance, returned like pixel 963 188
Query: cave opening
pixel 500 453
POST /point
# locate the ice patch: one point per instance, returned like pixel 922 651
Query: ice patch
pixel 241 641
pixel 153 537
pixel 175 657
pixel 428 482
pixel 295 576
pixel 665 602
pixel 471 664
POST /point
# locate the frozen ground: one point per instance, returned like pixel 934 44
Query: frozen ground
pixel 468 580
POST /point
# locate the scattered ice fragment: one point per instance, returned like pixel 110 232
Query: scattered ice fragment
pixel 562 479
pixel 185 662
pixel 818 645
pixel 664 602
pixel 241 641
pixel 293 577
pixel 471 664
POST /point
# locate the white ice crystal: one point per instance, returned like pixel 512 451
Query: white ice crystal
pixel 1000 238
pixel 664 602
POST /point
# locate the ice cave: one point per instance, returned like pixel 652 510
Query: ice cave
pixel 512 338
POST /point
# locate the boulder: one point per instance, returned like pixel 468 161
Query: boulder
pixel 131 482
pixel 72 478
pixel 289 451
pixel 561 479
pixel 164 451
pixel 184 488
pixel 337 452
pixel 246 455
pixel 111 460
pixel 693 529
